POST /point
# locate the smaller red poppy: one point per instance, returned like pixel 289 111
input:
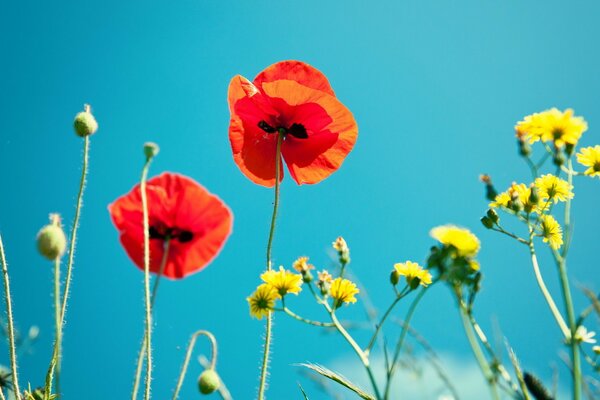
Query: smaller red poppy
pixel 196 223
pixel 293 99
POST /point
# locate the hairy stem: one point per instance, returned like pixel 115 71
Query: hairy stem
pixel 188 355
pixel 269 326
pixel 141 353
pixel 57 321
pixel 10 323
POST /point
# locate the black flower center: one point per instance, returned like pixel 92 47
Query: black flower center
pixel 164 233
pixel 296 130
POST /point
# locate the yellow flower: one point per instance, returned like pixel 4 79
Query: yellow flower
pixel 465 243
pixel 552 188
pixel 590 157
pixel 340 245
pixel 262 300
pixel 552 126
pixel 413 272
pixel 302 265
pixel 520 192
pixel 551 231
pixel 343 291
pixel 501 200
pixel 283 281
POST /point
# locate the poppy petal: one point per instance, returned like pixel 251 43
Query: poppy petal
pixel 297 71
pixel 253 148
pixel 330 126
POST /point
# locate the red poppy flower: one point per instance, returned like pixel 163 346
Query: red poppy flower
pixel 196 222
pixel 295 99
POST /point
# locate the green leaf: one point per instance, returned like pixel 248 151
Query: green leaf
pixel 334 376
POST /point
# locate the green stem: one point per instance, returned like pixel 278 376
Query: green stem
pixel 305 320
pixel 409 314
pixel 265 361
pixel 56 354
pixel 57 321
pixel 188 355
pixel 364 357
pixel 479 356
pixel 10 323
pixel 547 296
pixel 141 358
pixel 382 321
pixel 146 228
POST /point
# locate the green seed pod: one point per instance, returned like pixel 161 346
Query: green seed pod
pixel 487 222
pixel 208 381
pixel 151 150
pixel 394 277
pixel 493 215
pixel 85 124
pixel 51 241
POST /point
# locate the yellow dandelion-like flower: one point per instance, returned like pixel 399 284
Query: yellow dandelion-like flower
pixel 501 200
pixel 302 265
pixel 590 157
pixel 283 281
pixel 560 127
pixel 412 271
pixel 518 191
pixel 551 231
pixel 461 239
pixel 262 300
pixel 552 188
pixel 343 291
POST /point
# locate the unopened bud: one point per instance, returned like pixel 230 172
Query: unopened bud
pixel 487 222
pixel 493 215
pixel 85 124
pixel 151 150
pixel 490 191
pixel 534 196
pixel 558 159
pixel 208 381
pixel 51 239
pixel 524 148
pixel 569 148
pixel 307 277
pixel 394 277
pixel 536 387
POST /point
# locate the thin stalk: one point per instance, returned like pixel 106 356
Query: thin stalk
pixel 58 342
pixel 269 326
pixel 146 228
pixel 547 296
pixel 141 358
pixel 57 321
pixel 479 356
pixel 382 321
pixel 364 358
pixel 10 323
pixel 306 320
pixel 2 394
pixel 188 355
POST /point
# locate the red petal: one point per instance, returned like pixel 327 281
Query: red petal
pixel 297 71
pixel 331 128
pixel 174 201
pixel 253 148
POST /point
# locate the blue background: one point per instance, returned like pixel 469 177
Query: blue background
pixel 436 88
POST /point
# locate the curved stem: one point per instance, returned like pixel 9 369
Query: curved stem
pixel 409 314
pixel 188 355
pixel 306 320
pixel 479 356
pixel 58 342
pixel 146 228
pixel 269 325
pixel 141 358
pixel 381 322
pixel 10 323
pixel 364 358
pixel 2 394
pixel 547 296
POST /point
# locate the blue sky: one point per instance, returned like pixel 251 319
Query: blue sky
pixel 436 88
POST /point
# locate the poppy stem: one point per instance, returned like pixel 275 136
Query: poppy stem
pixel 188 355
pixel 141 358
pixel 10 323
pixel 269 326
pixel 58 342
pixel 57 320
pixel 146 226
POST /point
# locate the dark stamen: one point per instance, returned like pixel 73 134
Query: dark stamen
pixel 266 127
pixel 155 234
pixel 298 131
pixel 185 236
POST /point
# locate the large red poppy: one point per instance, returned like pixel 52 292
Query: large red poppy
pixel 196 222
pixel 295 99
